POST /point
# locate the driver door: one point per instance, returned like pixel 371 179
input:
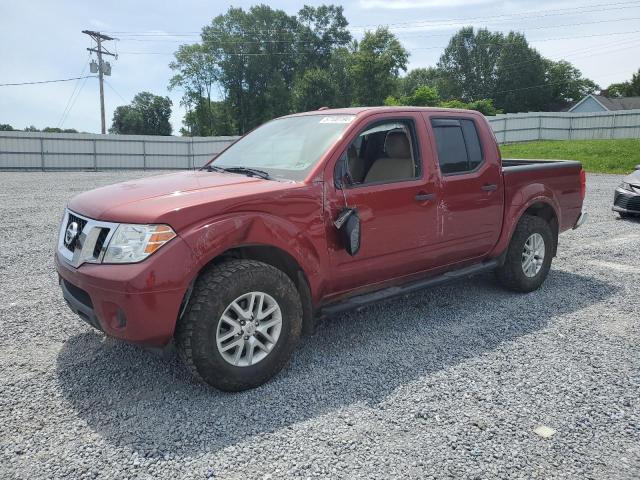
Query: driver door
pixel 394 197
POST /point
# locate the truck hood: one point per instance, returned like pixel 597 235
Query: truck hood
pixel 168 198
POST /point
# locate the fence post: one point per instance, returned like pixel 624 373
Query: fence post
pixel 540 127
pixel 42 153
pixel 613 125
pixel 571 127
pixel 95 156
pixel 190 153
pixel 144 155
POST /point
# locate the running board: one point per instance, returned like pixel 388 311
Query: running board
pixel 360 301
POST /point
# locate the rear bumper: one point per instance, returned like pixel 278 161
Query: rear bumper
pixel 133 302
pixel 626 202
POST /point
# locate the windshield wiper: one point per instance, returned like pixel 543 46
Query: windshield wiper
pixel 251 172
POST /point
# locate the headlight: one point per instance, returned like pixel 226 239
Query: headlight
pixel 134 243
pixel 626 186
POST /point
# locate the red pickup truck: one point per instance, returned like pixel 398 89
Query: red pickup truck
pixel 309 215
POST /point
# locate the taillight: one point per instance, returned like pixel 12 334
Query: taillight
pixel 583 184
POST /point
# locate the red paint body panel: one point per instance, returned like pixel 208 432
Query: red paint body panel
pixel 401 237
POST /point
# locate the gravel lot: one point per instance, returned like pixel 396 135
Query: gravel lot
pixel 448 383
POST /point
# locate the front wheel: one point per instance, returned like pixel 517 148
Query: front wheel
pixel 241 325
pixel 528 259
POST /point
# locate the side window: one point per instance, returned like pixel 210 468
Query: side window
pixel 384 152
pixel 458 145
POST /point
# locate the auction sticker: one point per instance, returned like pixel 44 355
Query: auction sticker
pixel 338 119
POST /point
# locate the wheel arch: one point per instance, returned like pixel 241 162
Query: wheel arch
pixel 277 258
pixel 547 212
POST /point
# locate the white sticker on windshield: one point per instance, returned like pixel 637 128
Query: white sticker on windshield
pixel 338 119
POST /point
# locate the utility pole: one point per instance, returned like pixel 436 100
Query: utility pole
pixel 104 68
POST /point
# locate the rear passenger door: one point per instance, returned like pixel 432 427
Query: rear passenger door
pixel 470 202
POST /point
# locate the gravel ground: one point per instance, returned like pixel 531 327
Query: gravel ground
pixel 448 383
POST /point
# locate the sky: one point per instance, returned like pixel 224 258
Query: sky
pixel 42 40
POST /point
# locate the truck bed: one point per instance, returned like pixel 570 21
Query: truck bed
pixel 559 179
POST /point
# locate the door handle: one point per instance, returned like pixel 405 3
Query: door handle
pixel 423 197
pixel 489 187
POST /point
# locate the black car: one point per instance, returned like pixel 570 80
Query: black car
pixel 627 197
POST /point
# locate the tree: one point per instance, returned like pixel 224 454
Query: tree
pixel 314 89
pixel 521 84
pixel 422 97
pixel 428 97
pixel 196 73
pixel 59 130
pixel 5 127
pixel 626 89
pixel 418 77
pixel 567 84
pixel 30 128
pixel 376 64
pixel 467 67
pixel 148 114
pixel 323 29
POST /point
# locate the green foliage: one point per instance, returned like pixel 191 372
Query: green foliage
pixel 256 64
pixel 422 97
pixel 626 89
pixel 521 83
pixel 418 77
pixel 148 114
pixel 30 128
pixel 468 65
pixel 5 127
pixel 597 156
pixel 428 97
pixel 375 66
pixel 567 83
pixel 59 130
pixel 314 89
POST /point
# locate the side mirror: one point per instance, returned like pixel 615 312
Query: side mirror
pixel 348 225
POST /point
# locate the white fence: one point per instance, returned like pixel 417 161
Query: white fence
pixel 53 151
pixel 524 127
pixel 59 151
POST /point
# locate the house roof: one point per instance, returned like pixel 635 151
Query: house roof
pixel 623 103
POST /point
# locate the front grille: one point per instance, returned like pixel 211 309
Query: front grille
pixel 81 222
pixel 628 202
pixel 104 232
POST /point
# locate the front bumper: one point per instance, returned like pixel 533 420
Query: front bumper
pixel 626 201
pixel 138 302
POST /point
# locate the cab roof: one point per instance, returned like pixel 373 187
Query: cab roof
pixel 371 110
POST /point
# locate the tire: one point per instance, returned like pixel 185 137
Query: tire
pixel 512 273
pixel 229 288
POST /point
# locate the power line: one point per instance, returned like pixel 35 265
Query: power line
pixel 75 87
pixel 115 91
pixel 44 81
pixel 73 103
pixel 527 14
pixel 263 54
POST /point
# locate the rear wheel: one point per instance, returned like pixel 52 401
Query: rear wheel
pixel 241 325
pixel 529 256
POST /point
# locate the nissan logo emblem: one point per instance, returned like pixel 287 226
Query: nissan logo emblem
pixel 71 234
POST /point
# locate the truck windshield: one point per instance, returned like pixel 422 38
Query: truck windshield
pixel 286 148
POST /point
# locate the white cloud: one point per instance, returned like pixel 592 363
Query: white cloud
pixel 409 4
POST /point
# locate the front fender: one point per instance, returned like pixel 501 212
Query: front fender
pixel 213 237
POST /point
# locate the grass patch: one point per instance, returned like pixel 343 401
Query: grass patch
pixel 597 156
